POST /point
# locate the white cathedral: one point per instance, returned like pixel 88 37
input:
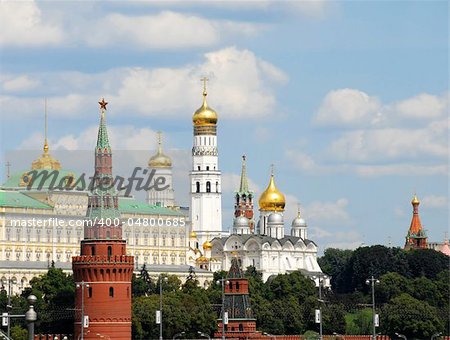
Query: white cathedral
pixel 264 246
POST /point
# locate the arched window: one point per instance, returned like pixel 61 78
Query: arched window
pixel 217 186
pixel 237 285
pixel 111 291
pixel 197 186
pixel 241 328
pixel 109 251
pixel 207 168
pixel 208 186
pixel 93 250
pixel 230 285
pixel 89 292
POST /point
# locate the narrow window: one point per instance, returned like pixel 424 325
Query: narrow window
pixel 237 285
pixel 109 251
pixel 217 187
pixel 208 186
pixel 197 185
pixel 207 168
pixel 111 291
pixel 90 292
pixel 93 250
pixel 230 285
pixel 198 168
pixel 241 328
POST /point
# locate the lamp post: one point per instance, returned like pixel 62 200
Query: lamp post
pixel 320 279
pixel 401 336
pixel 223 282
pixel 160 306
pixel 9 282
pixel 82 285
pixel 372 281
pixel 435 335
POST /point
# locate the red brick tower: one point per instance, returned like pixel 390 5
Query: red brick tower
pixel 241 323
pixel 244 198
pixel 416 237
pixel 103 270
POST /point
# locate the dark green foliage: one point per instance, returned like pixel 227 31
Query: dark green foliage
pixel 414 318
pixel 426 262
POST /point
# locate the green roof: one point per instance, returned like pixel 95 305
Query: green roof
pixel 130 205
pixel 55 176
pixel 15 199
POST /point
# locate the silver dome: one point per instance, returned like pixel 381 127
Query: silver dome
pixel 275 218
pixel 299 222
pixel 241 221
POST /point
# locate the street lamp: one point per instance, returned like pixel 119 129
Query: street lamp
pixel 435 335
pixel 160 306
pixel 401 336
pixel 178 334
pixel 82 285
pixel 372 281
pixel 223 282
pixel 320 279
pixel 9 282
pixel 204 335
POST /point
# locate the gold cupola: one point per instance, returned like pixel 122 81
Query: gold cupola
pixel 205 116
pixel 207 245
pixel 415 200
pixel 272 199
pixel 46 161
pixel 160 160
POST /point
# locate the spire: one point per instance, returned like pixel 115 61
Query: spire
pixel 160 160
pixel 244 182
pixel 102 138
pixel 416 237
pixel 159 142
pixel 45 129
pixel 46 161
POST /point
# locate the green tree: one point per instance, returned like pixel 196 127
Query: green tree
pixel 414 318
pixel 426 262
pixel 333 263
pixel 359 322
pixel 391 285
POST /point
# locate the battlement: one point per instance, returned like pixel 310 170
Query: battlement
pixel 103 259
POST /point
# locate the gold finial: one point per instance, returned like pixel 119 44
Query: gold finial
pixel 45 128
pixel 415 200
pixel 204 80
pixel 272 169
pixel 159 139
pixel 298 209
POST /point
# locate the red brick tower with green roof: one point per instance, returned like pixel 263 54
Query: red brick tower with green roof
pixel 103 271
pixel 244 198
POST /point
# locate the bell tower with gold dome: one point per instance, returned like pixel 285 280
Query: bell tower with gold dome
pixel 206 187
pixel 271 208
pixel 162 164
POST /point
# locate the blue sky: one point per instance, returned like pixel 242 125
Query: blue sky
pixel 348 99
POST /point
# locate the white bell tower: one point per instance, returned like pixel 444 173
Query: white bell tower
pixel 206 186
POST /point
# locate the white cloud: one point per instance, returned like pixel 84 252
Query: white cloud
pixel 328 213
pixel 19 83
pixel 241 85
pixel 388 144
pixel 435 201
pixel 411 169
pixel 422 106
pixel 348 107
pixel 23 25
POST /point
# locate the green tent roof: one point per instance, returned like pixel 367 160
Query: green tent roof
pixel 48 176
pixel 15 199
pixel 132 206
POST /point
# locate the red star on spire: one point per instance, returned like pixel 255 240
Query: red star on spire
pixel 103 104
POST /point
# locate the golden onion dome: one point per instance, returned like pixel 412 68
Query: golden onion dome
pixel 160 160
pixel 415 200
pixel 193 234
pixel 272 199
pixel 46 161
pixel 204 116
pixel 207 245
